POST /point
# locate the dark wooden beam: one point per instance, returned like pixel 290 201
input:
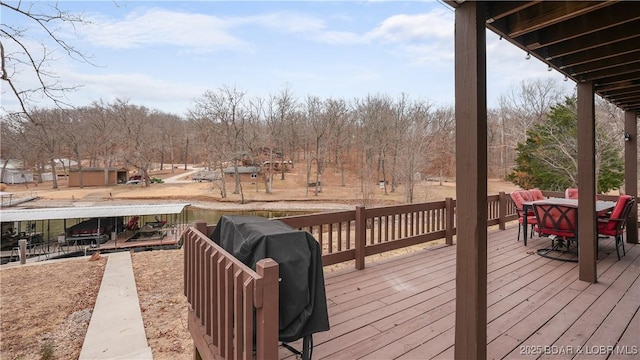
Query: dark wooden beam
pixel 626 94
pixel 630 88
pixel 631 171
pixel 607 63
pixel 617 70
pixel 471 177
pixel 609 19
pixel 617 82
pixel 587 234
pixel 497 10
pixel 550 13
pixel 627 104
pixel 595 43
pixel 584 56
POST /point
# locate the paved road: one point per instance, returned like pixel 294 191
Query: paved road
pixel 181 178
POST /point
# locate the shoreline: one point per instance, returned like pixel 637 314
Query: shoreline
pixel 280 205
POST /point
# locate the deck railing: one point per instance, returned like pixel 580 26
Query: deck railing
pixel 223 295
pixel 356 234
pixel 222 292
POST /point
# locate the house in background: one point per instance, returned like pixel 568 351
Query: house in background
pixel 13 172
pixel 247 173
pixel 94 176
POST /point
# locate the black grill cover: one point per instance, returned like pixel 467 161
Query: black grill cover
pixel 303 302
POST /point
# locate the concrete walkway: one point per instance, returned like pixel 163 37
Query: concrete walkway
pixel 116 329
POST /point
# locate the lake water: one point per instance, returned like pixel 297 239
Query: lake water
pixel 212 216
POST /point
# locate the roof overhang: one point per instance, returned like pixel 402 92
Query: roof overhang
pixel 594 41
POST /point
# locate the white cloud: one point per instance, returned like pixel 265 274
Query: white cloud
pixel 305 25
pixel 203 32
pixel 211 33
pixel 289 22
pixel 162 27
pixel 437 24
pixel 435 54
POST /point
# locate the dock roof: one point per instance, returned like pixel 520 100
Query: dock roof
pixel 90 212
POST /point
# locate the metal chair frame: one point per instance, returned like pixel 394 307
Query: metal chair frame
pixel 620 222
pixel 560 224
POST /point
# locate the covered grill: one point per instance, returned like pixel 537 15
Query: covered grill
pixel 303 302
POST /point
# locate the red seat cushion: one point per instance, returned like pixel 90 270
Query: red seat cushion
pixel 531 220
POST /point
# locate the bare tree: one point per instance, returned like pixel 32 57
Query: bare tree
pixel 316 129
pixel 279 112
pixel 416 146
pixel 373 115
pixel 224 113
pixel 442 137
pixel 10 130
pixel 169 126
pixel 398 133
pixel 529 104
pixel 140 138
pixel 21 59
pixel 43 138
pixel 341 137
pixel 73 130
pixel 524 105
pixel 335 115
pixel 17 141
pixel 104 133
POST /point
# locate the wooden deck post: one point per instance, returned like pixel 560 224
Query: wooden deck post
pixel 22 251
pixel 587 183
pixel 471 177
pixel 451 216
pixel 502 210
pixel 631 171
pixel 267 314
pixel 361 236
pixel 201 226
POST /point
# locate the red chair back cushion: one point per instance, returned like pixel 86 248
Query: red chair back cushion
pixel 617 212
pixel 537 194
pixel 554 219
pixel 571 193
pixel 517 198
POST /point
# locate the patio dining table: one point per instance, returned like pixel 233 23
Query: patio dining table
pixel 601 206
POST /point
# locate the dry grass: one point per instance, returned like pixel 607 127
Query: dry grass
pixel 47 308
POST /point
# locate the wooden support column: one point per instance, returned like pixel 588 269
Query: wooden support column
pixel 631 171
pixel 471 181
pixel 587 233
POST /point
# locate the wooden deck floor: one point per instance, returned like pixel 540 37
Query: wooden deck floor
pixel 404 308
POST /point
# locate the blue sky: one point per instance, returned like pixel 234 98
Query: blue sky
pixel 165 54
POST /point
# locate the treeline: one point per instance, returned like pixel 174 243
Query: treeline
pixel 398 140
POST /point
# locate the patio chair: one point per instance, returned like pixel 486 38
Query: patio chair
pixel 537 194
pixel 615 224
pixel 560 224
pixel 519 197
pixel 571 193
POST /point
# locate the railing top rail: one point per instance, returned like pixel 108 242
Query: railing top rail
pixel 319 218
pixel 201 237
pixel 401 209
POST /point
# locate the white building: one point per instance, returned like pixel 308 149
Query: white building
pixel 13 173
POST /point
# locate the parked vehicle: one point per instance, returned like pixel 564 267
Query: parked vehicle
pixel 135 179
